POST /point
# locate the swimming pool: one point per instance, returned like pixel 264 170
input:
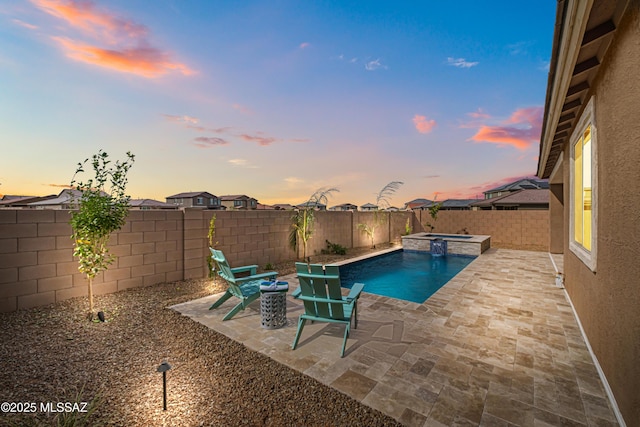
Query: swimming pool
pixel 407 275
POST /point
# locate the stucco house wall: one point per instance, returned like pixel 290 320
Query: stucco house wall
pixel 606 301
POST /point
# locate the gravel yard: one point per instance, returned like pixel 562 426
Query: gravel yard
pixel 53 354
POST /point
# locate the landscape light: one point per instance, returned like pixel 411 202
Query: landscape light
pixel 164 367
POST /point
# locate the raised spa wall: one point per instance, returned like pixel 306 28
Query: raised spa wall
pixel 463 245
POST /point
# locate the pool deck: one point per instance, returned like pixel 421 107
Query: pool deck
pixel 496 346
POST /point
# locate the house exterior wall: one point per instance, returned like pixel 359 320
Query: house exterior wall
pixel 556 219
pixel 510 229
pixel 607 301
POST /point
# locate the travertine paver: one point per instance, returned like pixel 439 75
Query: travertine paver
pixel 498 345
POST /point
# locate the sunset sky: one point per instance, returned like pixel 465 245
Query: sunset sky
pixel 274 99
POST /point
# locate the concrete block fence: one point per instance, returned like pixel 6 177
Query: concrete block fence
pixel 36 251
pixel 509 229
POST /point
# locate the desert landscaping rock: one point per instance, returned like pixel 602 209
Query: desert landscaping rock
pixel 53 354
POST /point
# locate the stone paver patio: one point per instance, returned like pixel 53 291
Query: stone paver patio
pixel 496 346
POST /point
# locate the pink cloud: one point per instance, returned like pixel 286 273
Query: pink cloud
pixel 24 24
pixel 146 61
pixel 84 16
pixel 181 119
pixel 242 109
pixel 479 114
pixel 304 45
pixel 128 52
pixel 208 142
pixel 529 115
pixel 521 130
pixel 422 124
pixel 261 140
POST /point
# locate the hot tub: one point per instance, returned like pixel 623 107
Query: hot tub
pixel 457 244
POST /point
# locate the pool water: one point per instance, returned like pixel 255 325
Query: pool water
pixel 406 275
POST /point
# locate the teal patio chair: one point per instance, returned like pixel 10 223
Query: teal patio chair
pixel 246 289
pixel 323 301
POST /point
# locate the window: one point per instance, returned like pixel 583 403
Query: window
pixel 583 199
pixel 237 203
pixel 199 200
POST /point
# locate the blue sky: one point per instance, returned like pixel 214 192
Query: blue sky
pixel 274 99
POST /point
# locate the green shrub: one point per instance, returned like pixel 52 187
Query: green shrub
pixel 335 248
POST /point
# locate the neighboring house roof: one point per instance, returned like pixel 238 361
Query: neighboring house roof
pixel 190 194
pixel 283 206
pixel 368 206
pixel 235 197
pixel 415 203
pixel 450 203
pixel 345 206
pixel 21 201
pixel 517 198
pixel 155 204
pixel 314 205
pixel 265 207
pixel 521 184
pixel 13 197
pixel 66 197
pixel 525 197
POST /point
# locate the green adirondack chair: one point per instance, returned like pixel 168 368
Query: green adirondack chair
pixel 323 301
pixel 247 288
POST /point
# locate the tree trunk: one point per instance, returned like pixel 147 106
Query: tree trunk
pixel 90 280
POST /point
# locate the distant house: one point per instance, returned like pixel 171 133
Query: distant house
pixel 312 205
pixel 283 206
pixel 9 201
pixel 392 209
pixel 450 205
pixel 416 203
pixel 263 207
pixel 238 201
pixel 368 207
pixel 195 199
pixel 344 207
pixel 517 200
pixel 67 199
pixel 521 184
pixel 150 204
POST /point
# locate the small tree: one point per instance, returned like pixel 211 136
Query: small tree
pixel 102 209
pixel 303 220
pixel 210 235
pixel 433 213
pixel 382 202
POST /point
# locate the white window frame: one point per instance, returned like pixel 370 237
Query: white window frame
pixel 589 258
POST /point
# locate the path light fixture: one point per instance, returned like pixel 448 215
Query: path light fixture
pixel 164 367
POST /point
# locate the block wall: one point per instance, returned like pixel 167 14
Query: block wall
pixel 517 229
pixel 36 252
pixel 37 265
